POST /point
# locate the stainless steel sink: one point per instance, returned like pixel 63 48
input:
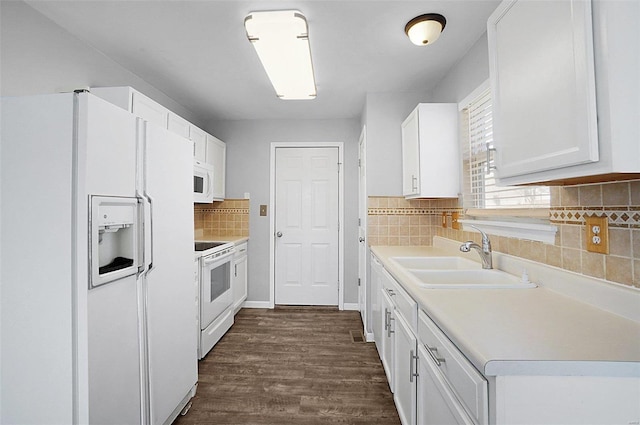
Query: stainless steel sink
pixel 436 263
pixel 468 279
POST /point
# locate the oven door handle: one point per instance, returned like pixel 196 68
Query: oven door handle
pixel 222 259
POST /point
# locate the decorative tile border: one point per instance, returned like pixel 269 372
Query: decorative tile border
pixel 624 217
pixel 224 210
pixel 411 211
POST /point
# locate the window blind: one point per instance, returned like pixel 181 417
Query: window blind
pixel 479 188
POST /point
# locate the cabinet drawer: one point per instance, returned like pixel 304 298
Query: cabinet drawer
pixel 241 250
pixel 402 301
pixel 468 385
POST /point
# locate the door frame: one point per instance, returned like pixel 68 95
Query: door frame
pixel 272 216
pixel 363 257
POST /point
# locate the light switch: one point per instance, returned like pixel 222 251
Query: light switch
pixel 263 210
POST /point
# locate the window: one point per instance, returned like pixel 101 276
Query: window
pixel 512 211
pixel 479 189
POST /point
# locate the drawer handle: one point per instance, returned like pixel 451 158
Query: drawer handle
pixel 432 353
pixel 412 357
pixel 386 319
pixel 391 293
pixel 389 330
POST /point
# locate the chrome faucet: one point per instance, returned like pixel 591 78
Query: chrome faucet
pixel 484 250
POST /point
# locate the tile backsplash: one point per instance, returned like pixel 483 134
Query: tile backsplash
pixel 396 221
pixel 226 218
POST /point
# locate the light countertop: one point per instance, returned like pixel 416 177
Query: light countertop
pixel 535 331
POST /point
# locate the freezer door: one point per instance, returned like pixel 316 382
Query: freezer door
pixel 107 168
pixel 170 293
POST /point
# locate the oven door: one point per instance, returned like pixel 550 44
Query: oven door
pixel 215 288
pixel 202 182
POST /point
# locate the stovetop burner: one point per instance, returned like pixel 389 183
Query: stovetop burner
pixel 203 246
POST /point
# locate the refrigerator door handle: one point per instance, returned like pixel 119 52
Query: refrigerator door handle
pixel 147 225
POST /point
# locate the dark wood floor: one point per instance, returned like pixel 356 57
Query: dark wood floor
pixel 292 365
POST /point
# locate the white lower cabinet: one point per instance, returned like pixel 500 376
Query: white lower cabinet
pixel 239 277
pixel 436 403
pixel 405 373
pixel 431 380
pixel 377 315
pixel 388 336
pixel 464 389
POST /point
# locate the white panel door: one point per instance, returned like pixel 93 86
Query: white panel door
pixel 363 295
pixel 306 218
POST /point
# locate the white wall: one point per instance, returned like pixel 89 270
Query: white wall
pixel 384 112
pixel 248 161
pixel 466 75
pixel 39 57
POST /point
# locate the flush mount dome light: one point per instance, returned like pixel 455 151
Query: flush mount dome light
pixel 281 40
pixel 425 29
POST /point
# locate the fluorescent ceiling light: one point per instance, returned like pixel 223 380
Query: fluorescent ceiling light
pixel 281 40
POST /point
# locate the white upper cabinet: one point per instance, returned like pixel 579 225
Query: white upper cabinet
pixel 206 148
pixel 199 139
pixel 216 156
pixel 149 110
pixel 178 125
pixel 564 78
pixel 430 161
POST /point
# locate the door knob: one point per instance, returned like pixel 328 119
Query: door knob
pixel 361 239
pixel 279 234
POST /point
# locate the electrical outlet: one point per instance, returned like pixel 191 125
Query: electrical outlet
pixel 597 234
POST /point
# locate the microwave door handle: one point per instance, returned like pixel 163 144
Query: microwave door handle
pixel 209 183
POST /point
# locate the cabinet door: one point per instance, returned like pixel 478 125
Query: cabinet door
pixel 388 338
pixel 239 282
pixel 149 110
pixel 543 86
pixel 178 125
pixel 405 373
pixel 199 139
pixel 436 403
pixel 411 155
pixel 377 311
pixel 216 156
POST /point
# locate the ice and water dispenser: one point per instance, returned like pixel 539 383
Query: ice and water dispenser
pixel 114 239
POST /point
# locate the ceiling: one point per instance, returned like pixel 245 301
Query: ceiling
pixel 197 53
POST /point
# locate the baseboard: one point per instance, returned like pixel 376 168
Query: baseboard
pixel 351 306
pixel 369 337
pixel 256 304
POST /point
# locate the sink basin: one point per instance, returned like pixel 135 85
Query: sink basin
pixel 436 263
pixel 468 279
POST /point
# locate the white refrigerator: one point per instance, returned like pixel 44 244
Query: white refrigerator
pixel 97 299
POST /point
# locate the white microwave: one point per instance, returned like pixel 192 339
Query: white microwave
pixel 202 182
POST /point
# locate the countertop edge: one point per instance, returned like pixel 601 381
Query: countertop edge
pixel 479 356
